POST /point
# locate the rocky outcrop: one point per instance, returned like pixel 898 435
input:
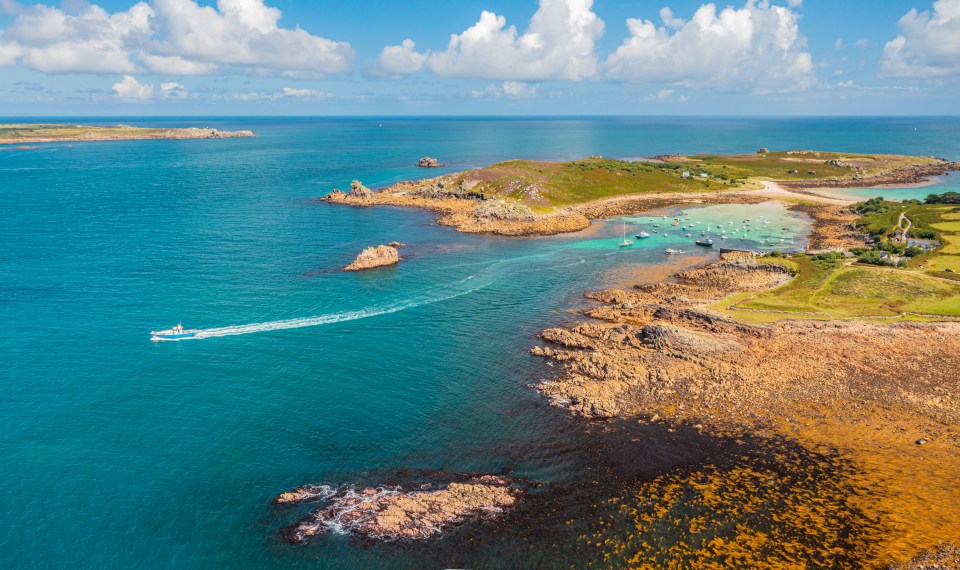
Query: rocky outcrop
pixel 358 190
pixel 833 228
pixel 428 162
pixel 393 512
pixel 658 345
pixel 464 208
pixel 503 210
pixel 379 256
pixel 303 494
pixel 905 175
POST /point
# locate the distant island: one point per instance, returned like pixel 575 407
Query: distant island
pixel 42 133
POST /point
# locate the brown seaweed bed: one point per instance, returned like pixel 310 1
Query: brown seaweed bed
pixel 868 411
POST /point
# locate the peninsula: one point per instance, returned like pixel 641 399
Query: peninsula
pixel 838 365
pixel 42 133
pixel 523 197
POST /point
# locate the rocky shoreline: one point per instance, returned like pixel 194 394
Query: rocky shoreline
pixel 463 210
pixel 833 228
pixel 463 206
pixel 469 212
pixel 408 511
pixel 881 398
pixel 910 175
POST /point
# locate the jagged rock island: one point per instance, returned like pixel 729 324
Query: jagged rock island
pixel 22 133
pixel 379 256
pixel 392 512
pixel 428 162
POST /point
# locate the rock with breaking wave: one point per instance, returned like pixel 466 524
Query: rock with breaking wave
pixel 379 256
pixel 387 513
pixel 303 494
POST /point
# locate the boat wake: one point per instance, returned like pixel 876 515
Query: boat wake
pixel 341 317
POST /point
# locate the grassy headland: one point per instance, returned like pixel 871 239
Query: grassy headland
pixel 38 133
pixel 524 197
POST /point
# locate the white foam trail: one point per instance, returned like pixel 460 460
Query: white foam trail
pixel 333 317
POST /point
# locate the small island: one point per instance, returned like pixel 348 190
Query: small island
pixel 43 133
pixel 429 162
pixel 380 256
pixel 524 197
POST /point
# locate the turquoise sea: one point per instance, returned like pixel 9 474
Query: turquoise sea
pixel 117 451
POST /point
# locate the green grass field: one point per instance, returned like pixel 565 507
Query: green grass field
pixel 778 165
pixel 558 184
pixel 545 185
pixel 824 289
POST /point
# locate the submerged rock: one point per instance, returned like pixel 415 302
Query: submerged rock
pixel 388 513
pixel 371 257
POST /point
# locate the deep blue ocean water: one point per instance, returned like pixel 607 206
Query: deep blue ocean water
pixel 117 451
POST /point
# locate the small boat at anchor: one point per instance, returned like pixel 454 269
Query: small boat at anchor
pixel 175 333
pixel 643 235
pixel 670 251
pixel 624 242
pixel 707 242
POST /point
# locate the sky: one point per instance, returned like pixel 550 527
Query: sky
pixel 479 57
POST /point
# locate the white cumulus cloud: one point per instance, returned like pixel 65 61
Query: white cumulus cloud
pixel 173 37
pixel 397 61
pixel 243 33
pixel 928 45
pixel 130 88
pixel 559 43
pixel 757 48
pixel 49 39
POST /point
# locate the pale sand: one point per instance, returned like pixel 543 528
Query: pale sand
pixel 820 195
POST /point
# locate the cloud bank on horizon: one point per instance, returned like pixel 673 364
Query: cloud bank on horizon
pixel 755 48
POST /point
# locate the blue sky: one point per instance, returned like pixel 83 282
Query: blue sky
pixel 570 57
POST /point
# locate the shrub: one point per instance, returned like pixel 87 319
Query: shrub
pixel 923 233
pixel 872 206
pixel 828 256
pixel 945 198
